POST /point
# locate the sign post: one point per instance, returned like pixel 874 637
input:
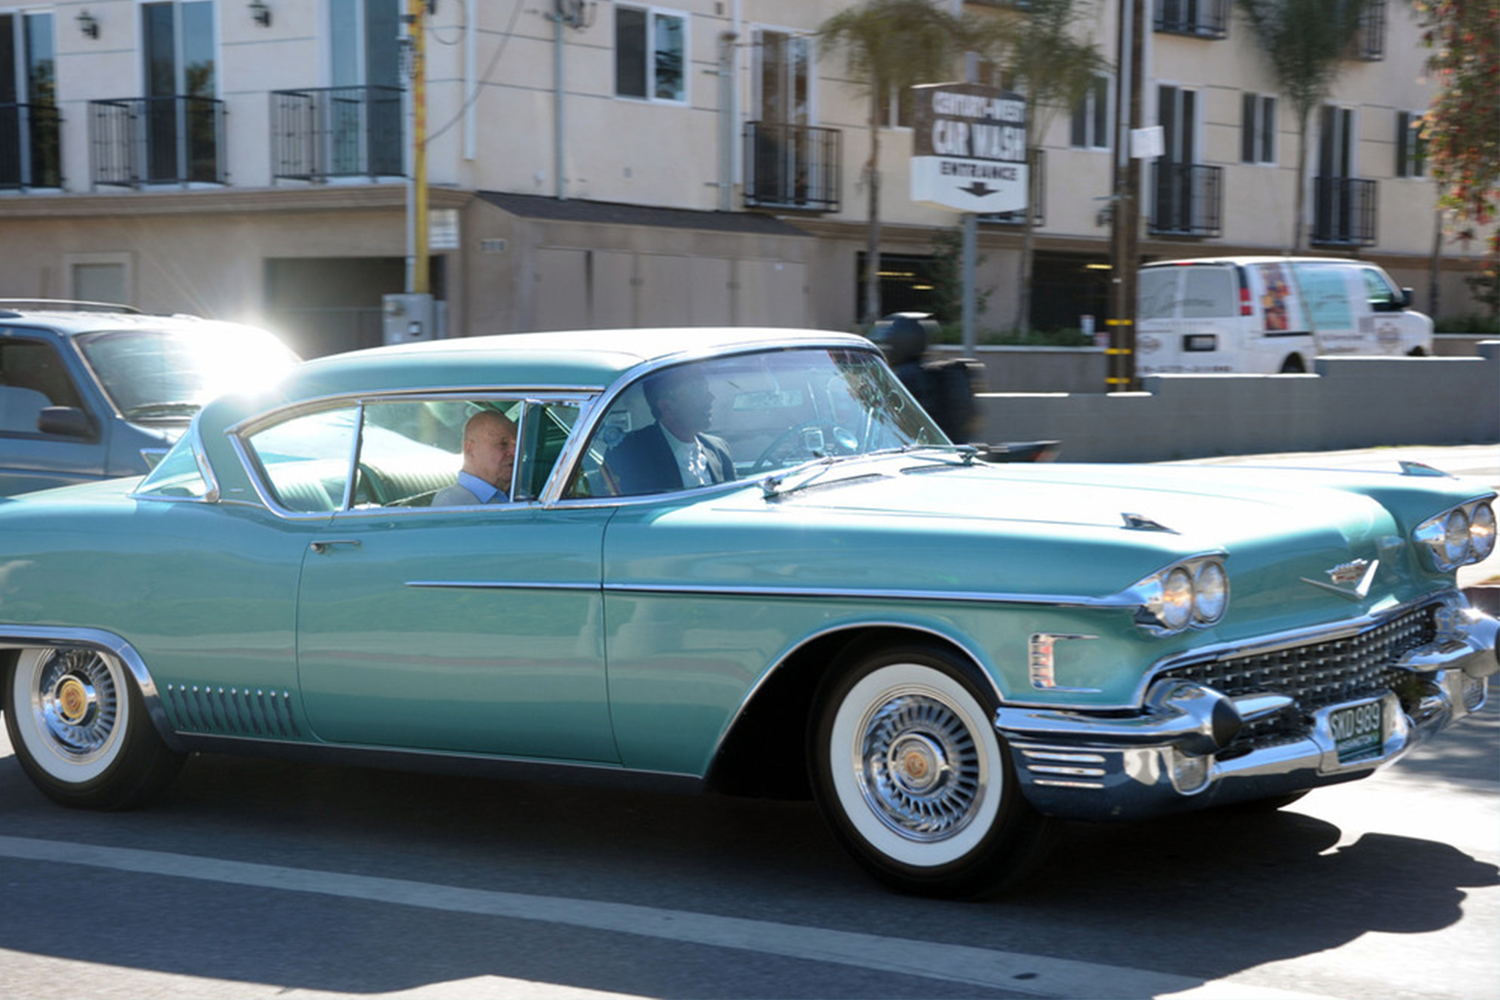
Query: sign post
pixel 969 154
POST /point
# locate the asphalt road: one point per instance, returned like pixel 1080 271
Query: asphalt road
pixel 258 879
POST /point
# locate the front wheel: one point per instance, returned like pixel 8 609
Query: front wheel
pixel 80 729
pixel 914 780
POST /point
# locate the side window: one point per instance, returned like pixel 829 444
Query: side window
pixel 413 453
pixel 1382 295
pixel 32 376
pixel 178 476
pixel 305 460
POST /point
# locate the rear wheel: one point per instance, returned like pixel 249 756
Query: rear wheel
pixel 80 729
pixel 1294 365
pixel 914 780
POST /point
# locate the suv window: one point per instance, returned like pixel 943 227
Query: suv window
pixel 32 376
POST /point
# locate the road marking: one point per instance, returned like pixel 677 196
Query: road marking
pixel 1001 970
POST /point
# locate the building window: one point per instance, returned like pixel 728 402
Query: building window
pixel 1258 135
pixel 1411 148
pixel 1091 117
pixel 650 54
pixel 896 107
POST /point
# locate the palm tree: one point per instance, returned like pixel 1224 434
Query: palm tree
pixel 1040 50
pixel 888 45
pixel 1305 41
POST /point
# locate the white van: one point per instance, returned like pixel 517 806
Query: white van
pixel 1270 314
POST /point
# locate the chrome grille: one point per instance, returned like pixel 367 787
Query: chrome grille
pixel 1321 673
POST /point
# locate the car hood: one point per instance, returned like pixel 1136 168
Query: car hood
pixel 1291 539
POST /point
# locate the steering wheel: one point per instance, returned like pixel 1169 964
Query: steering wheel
pixel 807 440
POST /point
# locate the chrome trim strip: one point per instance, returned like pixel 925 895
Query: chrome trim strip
pixel 23 637
pixel 1121 600
pixel 498 585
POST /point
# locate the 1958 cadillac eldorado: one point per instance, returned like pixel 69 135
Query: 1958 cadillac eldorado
pixel 734 560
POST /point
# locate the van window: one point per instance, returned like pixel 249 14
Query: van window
pixel 1208 291
pixel 1325 295
pixel 1156 295
pixel 1381 293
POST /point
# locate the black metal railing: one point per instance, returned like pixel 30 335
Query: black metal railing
pixel 1368 42
pixel 30 146
pixel 1037 182
pixel 157 140
pixel 1343 211
pixel 1199 18
pixel 1187 199
pixel 792 166
pixel 323 132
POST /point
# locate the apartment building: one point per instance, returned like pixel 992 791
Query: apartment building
pixel 613 163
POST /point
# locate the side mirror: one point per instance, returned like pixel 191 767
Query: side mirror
pixel 1405 302
pixel 67 421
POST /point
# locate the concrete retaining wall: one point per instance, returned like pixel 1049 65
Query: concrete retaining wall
pixel 1344 403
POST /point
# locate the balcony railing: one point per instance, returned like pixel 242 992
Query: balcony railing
pixel 157 140
pixel 1037 177
pixel 1343 211
pixel 1368 42
pixel 1187 199
pixel 319 133
pixel 30 146
pixel 792 166
pixel 1199 18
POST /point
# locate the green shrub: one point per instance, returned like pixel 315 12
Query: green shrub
pixel 1467 324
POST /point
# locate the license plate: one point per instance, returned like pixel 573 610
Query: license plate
pixel 1358 730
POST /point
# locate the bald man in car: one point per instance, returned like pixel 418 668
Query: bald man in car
pixel 489 461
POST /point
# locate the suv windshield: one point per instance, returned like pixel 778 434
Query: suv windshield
pixel 747 416
pixel 169 374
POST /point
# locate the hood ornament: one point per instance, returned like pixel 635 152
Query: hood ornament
pixel 1350 579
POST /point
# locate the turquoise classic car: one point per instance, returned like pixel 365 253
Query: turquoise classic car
pixel 732 560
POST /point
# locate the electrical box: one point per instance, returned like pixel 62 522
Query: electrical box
pixel 408 317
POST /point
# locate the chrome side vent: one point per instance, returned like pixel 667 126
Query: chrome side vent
pixel 232 711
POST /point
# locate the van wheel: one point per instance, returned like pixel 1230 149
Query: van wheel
pixel 1416 352
pixel 1294 365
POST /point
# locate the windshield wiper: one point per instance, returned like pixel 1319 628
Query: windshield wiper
pixel 148 410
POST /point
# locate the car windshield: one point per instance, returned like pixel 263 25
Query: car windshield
pixel 169 375
pixel 748 415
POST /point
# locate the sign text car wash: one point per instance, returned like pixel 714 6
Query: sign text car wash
pixel 969 148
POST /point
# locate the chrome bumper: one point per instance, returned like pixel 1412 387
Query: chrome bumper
pixel 1181 752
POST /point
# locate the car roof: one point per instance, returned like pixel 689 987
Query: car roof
pixel 57 318
pixel 580 359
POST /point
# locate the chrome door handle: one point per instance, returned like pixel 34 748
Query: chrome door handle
pixel 323 545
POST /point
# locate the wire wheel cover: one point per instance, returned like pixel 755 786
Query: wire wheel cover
pixel 919 769
pixel 77 702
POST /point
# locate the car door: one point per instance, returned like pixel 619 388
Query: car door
pixel 459 629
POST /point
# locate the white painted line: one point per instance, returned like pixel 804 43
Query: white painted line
pixel 1011 971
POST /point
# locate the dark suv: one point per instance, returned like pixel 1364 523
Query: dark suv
pixel 91 391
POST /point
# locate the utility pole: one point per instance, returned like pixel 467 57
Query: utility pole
pixel 1125 216
pixel 412 315
pixel 417 276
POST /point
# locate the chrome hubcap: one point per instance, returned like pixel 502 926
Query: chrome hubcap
pixel 919 767
pixel 78 702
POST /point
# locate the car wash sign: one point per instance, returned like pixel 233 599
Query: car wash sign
pixel 969 148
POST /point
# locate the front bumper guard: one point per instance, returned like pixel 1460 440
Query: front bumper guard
pixel 1181 753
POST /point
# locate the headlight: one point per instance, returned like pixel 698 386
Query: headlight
pixel 1460 536
pixel 1191 593
pixel 1211 590
pixel 1482 531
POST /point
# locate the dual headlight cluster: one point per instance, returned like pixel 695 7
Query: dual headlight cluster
pixel 1460 536
pixel 1191 594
